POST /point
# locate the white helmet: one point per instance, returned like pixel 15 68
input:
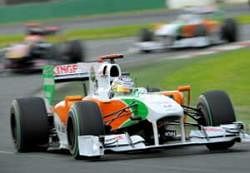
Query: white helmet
pixel 122 85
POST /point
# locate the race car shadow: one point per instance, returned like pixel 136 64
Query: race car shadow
pixel 171 153
pixel 151 154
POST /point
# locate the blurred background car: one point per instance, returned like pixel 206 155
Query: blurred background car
pixel 196 27
pixel 36 50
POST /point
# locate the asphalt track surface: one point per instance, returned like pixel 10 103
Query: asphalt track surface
pixel 190 159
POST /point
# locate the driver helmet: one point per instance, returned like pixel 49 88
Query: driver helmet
pixel 122 85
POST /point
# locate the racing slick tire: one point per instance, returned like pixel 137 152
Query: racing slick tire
pixel 229 30
pixel 146 35
pixel 29 124
pixel 53 53
pixel 217 109
pixel 75 51
pixel 85 118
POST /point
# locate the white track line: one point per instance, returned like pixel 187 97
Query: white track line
pixel 6 152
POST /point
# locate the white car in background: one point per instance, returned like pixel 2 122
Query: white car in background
pixel 196 28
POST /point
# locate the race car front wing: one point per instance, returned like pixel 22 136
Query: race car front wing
pixel 92 146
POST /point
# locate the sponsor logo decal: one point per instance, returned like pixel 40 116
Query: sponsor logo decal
pixel 113 139
pixel 214 129
pixel 66 69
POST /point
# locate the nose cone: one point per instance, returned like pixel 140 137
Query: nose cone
pixel 160 106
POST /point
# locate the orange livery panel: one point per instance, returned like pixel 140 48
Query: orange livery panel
pixel 115 112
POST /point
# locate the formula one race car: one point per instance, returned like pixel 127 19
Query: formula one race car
pixel 196 28
pixel 114 115
pixel 35 51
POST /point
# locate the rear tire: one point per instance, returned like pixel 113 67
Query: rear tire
pixel 217 109
pixel 85 118
pixel 146 35
pixel 75 51
pixel 53 53
pixel 230 30
pixel 29 124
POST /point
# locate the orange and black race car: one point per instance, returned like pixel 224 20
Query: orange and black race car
pixel 112 114
pixel 36 51
pixel 197 27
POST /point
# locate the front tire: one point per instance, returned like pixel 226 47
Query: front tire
pixel 29 124
pixel 85 118
pixel 216 109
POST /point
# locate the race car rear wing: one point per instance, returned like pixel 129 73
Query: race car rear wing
pixel 74 72
pixel 94 72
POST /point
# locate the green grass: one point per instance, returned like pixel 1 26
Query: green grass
pixel 9 39
pixel 243 19
pixel 108 32
pixel 228 71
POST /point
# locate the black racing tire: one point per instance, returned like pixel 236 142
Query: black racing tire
pixel 85 118
pixel 216 109
pixel 29 124
pixel 53 53
pixel 75 51
pixel 146 35
pixel 229 30
pixel 146 51
pixel 200 31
